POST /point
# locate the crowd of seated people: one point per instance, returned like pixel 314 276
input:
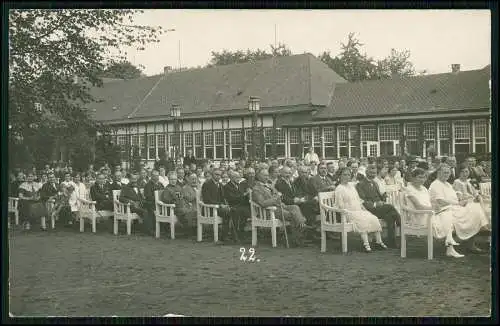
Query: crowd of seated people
pixel 290 185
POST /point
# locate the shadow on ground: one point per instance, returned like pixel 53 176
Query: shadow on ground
pixel 66 273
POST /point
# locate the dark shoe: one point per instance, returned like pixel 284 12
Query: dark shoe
pixel 475 250
pixel 379 246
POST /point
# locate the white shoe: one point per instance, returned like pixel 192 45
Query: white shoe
pixel 450 252
pixel 27 226
pixel 452 243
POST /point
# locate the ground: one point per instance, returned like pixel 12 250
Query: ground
pixel 66 273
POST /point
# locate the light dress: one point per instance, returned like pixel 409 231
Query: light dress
pixel 466 188
pixel 442 224
pixel 346 197
pixel 467 220
pixel 79 192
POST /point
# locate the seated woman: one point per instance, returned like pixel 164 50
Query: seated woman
pixel 30 207
pixel 419 198
pixel 467 217
pixel 346 197
pixel 465 191
pixel 394 176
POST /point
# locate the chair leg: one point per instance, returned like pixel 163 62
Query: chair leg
pixel 17 218
pixel 430 247
pixel 199 230
pixel 53 221
pixel 172 229
pixel 94 224
pixel 254 236
pixel 323 241
pixel 344 242
pixel 82 224
pixel 43 222
pixel 403 245
pixel 129 226
pixel 216 232
pixel 115 226
pixel 273 235
pixel 157 231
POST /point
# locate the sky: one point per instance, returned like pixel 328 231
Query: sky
pixel 435 38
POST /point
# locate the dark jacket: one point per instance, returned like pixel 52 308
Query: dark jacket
pixel 188 160
pixel 287 190
pixel 320 185
pixel 171 194
pixel 128 194
pixel 369 193
pixel 234 195
pixel 303 188
pixel 102 196
pixel 212 193
pixel 149 193
pixel 167 164
pixel 48 190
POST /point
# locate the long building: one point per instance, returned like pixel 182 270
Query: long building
pixel 303 103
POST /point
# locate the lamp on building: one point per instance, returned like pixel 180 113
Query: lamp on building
pixel 254 108
pixel 175 114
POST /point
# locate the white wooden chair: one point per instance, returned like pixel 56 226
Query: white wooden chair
pixel 13 208
pixel 394 199
pixel 416 222
pixel 164 213
pixel 264 218
pixel 485 191
pixel 206 214
pixel 329 223
pixel 50 204
pixel 88 211
pixel 121 212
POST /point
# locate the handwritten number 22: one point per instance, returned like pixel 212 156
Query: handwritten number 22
pixel 243 257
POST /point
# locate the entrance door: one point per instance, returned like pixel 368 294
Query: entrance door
pixel 397 148
pixel 389 148
pixel 372 149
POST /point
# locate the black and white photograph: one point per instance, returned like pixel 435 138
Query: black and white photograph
pixel 248 163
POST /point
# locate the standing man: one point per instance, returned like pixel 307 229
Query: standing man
pixel 311 157
pixel 189 159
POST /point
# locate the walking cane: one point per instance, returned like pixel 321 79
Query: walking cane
pixel 284 224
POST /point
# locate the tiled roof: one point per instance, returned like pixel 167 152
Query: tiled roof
pixel 432 93
pixel 280 82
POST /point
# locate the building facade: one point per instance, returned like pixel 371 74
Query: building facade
pixel 303 103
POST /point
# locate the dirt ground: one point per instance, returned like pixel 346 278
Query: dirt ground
pixel 66 273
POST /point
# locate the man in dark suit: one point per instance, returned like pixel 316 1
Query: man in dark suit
pixel 304 189
pixel 49 189
pixel 374 202
pixel 130 194
pixel 320 182
pixel 165 162
pixel 101 194
pixel 143 179
pixel 181 177
pixel 189 159
pixel 149 192
pixel 212 193
pixel 331 172
pixel 237 199
pixel 116 184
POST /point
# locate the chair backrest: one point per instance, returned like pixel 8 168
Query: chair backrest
pixel 161 210
pixel 201 209
pixel 119 208
pixel 393 196
pixel 257 211
pixel 410 219
pixel 13 201
pixel 328 198
pixel 485 189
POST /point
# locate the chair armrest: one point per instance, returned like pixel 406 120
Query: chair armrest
pixel 418 211
pixel 85 201
pixel 159 202
pixel 333 209
pixel 272 208
pixel 119 202
pixel 211 206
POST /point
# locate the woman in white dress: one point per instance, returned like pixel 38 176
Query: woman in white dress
pixel 420 199
pixel 468 217
pixel 465 191
pixel 364 222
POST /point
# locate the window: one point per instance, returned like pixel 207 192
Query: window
pixel 268 147
pixel 389 132
pixel 480 136
pixel 135 145
pixel 444 143
pixel 188 141
pixel 151 147
pixel 248 139
pixel 306 140
pixel 198 144
pixel 429 131
pixel 369 133
pixel 278 135
pixel 161 144
pixel 236 144
pixel 280 142
pixel 209 144
pixel 317 140
pixel 329 140
pixel 219 145
pixel 294 142
pixel 122 142
pixel 142 146
pixel 343 141
pixel 412 141
pixel 354 141
pixel 462 137
pixel 171 143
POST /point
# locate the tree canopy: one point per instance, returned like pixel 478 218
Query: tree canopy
pixel 226 57
pixel 122 70
pixel 47 49
pixel 354 66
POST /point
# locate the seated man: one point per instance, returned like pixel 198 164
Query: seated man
pixel 149 193
pixel 212 193
pixel 266 196
pixel 238 203
pixel 172 194
pixel 375 203
pixel 130 194
pixel 101 194
pixel 304 189
pixel 185 208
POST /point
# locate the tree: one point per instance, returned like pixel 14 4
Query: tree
pixel 354 66
pixel 47 48
pixel 226 57
pixel 122 70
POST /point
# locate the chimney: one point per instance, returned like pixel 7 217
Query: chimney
pixel 167 69
pixel 455 68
